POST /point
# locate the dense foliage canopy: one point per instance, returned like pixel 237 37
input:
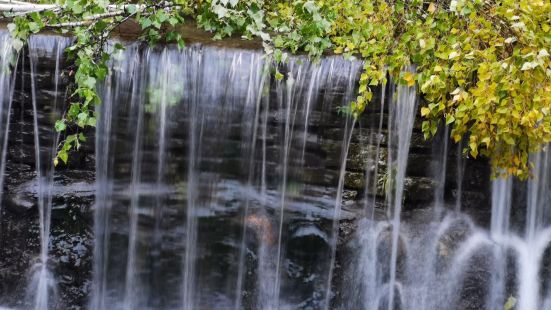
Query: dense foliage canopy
pixel 482 66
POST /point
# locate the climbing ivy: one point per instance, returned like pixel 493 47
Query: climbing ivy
pixel 482 66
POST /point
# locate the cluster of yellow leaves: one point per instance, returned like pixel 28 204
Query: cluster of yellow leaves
pixel 491 80
pixel 482 66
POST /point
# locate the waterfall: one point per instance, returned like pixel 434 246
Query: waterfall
pixel 537 236
pixel 499 232
pixel 347 138
pixel 287 105
pixel 338 206
pixel 372 177
pixel 231 110
pixel 218 186
pixel 132 296
pixel 537 217
pixel 257 84
pixel 441 171
pixel 43 283
pixel 447 254
pixel 402 117
pixel 118 82
pixel 7 85
pixel 460 173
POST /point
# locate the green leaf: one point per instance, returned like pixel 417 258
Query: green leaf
pixel 91 121
pixel 118 46
pixel 161 16
pixel 278 75
pixel 173 21
pixel 180 41
pixel 81 137
pixel 101 72
pixel 131 8
pixel 220 11
pixel 34 27
pixel 17 44
pixel 11 27
pixel 60 125
pixel 90 82
pixel 63 156
pixel 70 139
pixel 77 8
pixel 145 23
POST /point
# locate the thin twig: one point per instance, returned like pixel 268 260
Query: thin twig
pixel 86 20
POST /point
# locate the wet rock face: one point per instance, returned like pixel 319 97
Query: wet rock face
pixel 71 241
pixel 450 241
pixel 73 190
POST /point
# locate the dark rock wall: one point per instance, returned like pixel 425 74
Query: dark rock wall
pixel 73 193
pixel 71 243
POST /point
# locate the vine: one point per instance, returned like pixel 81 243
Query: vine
pixel 482 66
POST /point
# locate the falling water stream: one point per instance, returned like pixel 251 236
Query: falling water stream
pixel 401 124
pixel 43 283
pixel 7 84
pixel 218 186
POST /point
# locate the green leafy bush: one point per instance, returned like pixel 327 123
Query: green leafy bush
pixel 483 66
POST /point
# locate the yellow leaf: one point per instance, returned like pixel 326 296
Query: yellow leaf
pixel 452 55
pixel 474 149
pixel 431 8
pixel 511 302
pixel 409 78
pixel 425 111
pixel 422 43
pixel 368 95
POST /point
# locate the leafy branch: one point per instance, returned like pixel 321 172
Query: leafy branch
pixel 91 23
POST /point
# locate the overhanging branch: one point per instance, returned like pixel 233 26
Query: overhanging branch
pixel 9 6
pixel 18 8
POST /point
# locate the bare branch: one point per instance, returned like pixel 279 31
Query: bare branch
pixel 25 7
pixel 87 20
pixel 18 7
pixel 13 2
